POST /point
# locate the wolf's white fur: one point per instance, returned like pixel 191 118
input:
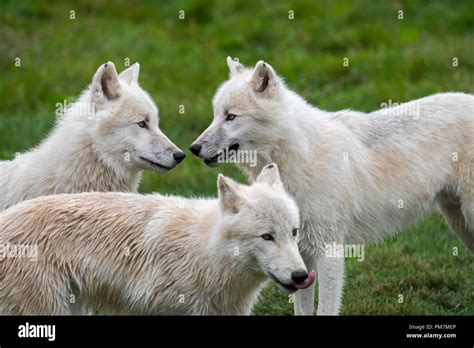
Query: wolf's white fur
pixel 95 146
pixel 356 177
pixel 153 254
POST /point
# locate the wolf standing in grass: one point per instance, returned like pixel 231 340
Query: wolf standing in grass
pixel 356 177
pixel 102 143
pixel 129 253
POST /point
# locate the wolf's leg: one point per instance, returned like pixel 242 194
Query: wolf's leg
pixel 468 232
pixel 330 278
pixel 304 299
pixel 459 216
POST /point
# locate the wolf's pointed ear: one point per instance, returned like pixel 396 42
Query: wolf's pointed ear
pixel 270 175
pixel 229 198
pixel 235 66
pixel 264 79
pixel 130 74
pixel 105 83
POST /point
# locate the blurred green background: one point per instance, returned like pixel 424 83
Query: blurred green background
pixel 183 62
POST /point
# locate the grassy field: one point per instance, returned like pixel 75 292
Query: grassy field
pixel 183 62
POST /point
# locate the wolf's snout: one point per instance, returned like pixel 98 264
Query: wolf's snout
pixel 179 156
pixel 195 148
pixel 299 276
pixel 307 282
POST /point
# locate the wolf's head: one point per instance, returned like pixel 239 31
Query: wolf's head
pixel 247 110
pixel 125 122
pixel 261 223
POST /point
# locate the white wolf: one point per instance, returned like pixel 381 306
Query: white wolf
pixel 153 254
pixel 101 143
pixel 356 177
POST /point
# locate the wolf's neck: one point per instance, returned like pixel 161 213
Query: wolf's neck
pixel 232 285
pixel 299 125
pixel 70 163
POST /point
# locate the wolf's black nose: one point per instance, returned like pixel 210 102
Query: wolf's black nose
pixel 299 276
pixel 179 156
pixel 195 149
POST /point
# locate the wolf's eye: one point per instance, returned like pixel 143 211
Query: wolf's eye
pixel 230 117
pixel 142 124
pixel 267 236
pixel 295 232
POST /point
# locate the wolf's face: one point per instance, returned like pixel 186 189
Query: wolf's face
pixel 245 108
pixel 261 222
pixel 126 122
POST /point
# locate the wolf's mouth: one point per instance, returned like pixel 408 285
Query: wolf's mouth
pixel 292 288
pixel 155 166
pixel 214 161
pixel 286 287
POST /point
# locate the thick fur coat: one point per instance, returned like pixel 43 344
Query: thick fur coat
pixel 97 144
pixel 356 177
pixel 134 254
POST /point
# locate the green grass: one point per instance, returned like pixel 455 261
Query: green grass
pixel 183 62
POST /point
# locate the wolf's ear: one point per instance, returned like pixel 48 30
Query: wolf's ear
pixel 235 66
pixel 270 175
pixel 105 83
pixel 264 79
pixel 229 197
pixel 130 74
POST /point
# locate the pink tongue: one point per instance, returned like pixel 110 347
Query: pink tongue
pixel 307 283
